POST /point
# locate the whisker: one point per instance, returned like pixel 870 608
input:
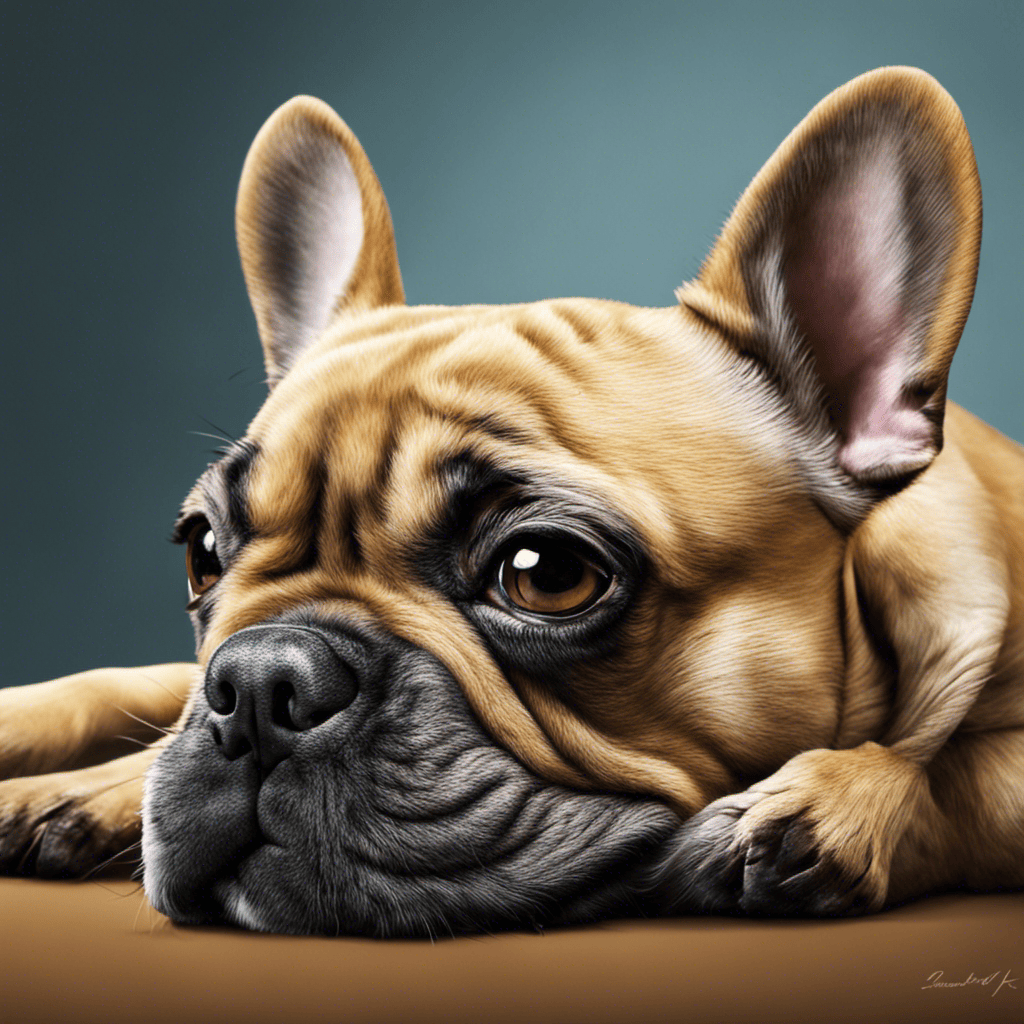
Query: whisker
pixel 37 839
pixel 134 891
pixel 156 682
pixel 113 892
pixel 132 739
pixel 216 437
pixel 135 923
pixel 225 436
pixel 142 721
pixel 120 782
pixel 131 848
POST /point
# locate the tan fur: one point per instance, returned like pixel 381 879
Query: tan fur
pixel 753 650
pixel 82 718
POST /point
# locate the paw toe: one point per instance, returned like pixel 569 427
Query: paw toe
pixel 70 845
pixel 19 839
pixel 703 871
pixel 786 873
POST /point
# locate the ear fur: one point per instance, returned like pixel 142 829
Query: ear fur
pixel 847 271
pixel 314 230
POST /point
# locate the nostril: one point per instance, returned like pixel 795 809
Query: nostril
pixel 294 710
pixel 281 705
pixel 223 698
pixel 319 716
pixel 232 741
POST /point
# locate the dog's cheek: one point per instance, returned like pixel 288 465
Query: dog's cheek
pixel 199 816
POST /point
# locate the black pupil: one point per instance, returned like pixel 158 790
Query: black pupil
pixel 556 572
pixel 204 557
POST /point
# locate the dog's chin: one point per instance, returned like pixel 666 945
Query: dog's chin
pixel 398 818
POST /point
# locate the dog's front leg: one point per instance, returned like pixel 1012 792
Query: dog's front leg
pixel 87 717
pixel 825 833
pixel 66 823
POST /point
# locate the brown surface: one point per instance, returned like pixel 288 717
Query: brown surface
pixel 98 952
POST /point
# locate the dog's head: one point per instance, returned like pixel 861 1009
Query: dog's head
pixel 489 598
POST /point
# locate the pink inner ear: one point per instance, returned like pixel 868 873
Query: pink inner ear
pixel 844 276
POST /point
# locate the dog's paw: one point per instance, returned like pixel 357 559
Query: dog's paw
pixel 735 857
pixel 68 824
pixel 814 839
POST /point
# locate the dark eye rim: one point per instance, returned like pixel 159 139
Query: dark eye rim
pixel 190 533
pixel 496 595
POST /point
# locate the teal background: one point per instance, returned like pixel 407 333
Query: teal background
pixel 527 150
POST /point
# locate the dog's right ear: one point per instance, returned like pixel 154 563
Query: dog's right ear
pixel 846 273
pixel 314 230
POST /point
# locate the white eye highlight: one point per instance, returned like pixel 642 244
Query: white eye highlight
pixel 525 559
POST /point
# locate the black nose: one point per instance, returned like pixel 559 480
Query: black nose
pixel 268 684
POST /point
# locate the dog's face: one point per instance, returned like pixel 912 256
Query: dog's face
pixel 489 598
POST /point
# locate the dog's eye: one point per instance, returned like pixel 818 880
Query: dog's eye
pixel 550 579
pixel 201 559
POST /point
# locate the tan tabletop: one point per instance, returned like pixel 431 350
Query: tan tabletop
pixel 96 951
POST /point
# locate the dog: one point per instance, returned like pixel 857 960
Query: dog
pixel 520 616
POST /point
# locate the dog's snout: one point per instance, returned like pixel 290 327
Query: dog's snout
pixel 266 685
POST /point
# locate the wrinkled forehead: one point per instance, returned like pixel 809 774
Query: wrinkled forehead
pixel 383 427
pixel 372 431
pixel 381 419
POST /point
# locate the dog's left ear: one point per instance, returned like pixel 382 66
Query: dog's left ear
pixel 314 230
pixel 847 271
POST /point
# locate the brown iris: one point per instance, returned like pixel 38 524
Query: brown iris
pixel 550 579
pixel 201 559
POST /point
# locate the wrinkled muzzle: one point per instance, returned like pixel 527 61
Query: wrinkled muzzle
pixel 332 779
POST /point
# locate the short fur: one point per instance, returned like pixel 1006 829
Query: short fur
pixel 803 690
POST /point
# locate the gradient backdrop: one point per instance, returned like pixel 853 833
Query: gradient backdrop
pixel 527 150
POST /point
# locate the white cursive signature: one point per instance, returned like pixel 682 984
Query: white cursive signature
pixel 935 981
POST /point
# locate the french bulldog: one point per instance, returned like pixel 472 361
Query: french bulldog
pixel 516 616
